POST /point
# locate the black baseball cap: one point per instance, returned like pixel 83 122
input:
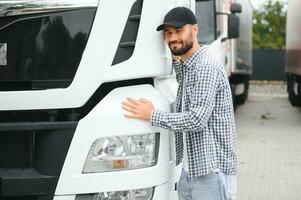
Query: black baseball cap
pixel 178 17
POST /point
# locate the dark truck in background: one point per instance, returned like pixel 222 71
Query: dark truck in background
pixel 293 52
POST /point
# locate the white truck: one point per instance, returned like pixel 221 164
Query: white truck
pixel 236 55
pixel 241 55
pixel 293 52
pixel 65 68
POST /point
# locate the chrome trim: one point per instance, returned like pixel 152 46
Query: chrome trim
pixel 3 54
pixel 23 7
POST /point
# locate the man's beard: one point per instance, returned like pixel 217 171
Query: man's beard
pixel 181 51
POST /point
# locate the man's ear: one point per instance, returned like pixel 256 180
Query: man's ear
pixel 195 28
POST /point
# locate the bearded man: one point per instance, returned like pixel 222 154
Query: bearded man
pixel 204 119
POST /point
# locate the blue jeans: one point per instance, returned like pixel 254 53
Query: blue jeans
pixel 208 187
pixel 231 186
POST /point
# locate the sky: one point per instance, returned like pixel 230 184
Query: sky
pixel 257 4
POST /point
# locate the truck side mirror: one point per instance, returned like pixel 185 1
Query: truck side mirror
pixel 233 26
pixel 235 8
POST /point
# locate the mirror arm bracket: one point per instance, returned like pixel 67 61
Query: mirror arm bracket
pixel 222 13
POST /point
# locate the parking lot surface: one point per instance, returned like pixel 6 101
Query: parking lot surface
pixel 269 145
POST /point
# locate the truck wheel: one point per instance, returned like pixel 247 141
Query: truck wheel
pixel 294 98
pixel 241 99
pixel 233 95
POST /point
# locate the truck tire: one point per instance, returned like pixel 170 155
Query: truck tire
pixel 295 99
pixel 242 98
pixel 233 86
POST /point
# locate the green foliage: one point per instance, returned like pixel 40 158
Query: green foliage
pixel 269 26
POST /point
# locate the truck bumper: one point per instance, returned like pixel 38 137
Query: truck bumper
pixel 161 192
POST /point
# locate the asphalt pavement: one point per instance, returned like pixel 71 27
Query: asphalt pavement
pixel 269 145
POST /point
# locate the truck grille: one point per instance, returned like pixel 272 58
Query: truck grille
pixel 32 155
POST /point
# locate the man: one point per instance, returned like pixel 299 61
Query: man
pixel 204 120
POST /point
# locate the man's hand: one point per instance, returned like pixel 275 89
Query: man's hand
pixel 139 109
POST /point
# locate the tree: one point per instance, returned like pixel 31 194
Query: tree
pixel 269 26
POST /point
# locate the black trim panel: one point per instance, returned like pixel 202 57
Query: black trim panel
pixel 106 88
pixel 34 126
pixel 128 39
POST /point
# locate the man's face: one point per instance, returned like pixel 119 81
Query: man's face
pixel 179 40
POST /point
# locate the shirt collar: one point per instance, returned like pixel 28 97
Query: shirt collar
pixel 193 58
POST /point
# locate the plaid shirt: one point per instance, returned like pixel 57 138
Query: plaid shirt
pixel 207 118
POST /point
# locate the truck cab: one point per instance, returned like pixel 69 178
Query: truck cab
pixel 65 68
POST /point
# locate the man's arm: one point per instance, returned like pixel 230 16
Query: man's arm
pixel 201 105
pixel 200 109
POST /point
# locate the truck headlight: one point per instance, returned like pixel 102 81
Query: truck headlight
pixel 122 153
pixel 140 194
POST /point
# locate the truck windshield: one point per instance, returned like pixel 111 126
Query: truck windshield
pixel 206 21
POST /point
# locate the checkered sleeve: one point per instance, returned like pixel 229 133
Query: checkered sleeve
pixel 177 65
pixel 201 106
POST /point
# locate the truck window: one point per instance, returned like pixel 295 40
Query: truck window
pixel 206 21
